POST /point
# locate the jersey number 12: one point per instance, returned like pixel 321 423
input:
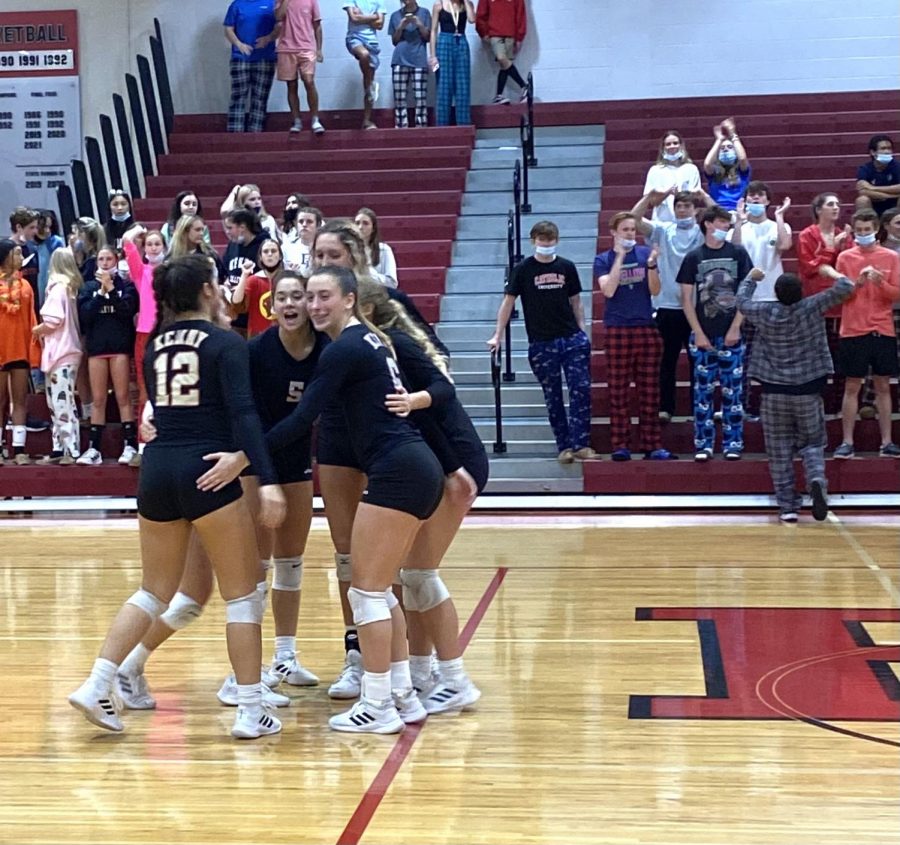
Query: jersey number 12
pixel 177 379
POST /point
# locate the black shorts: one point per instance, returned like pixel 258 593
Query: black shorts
pixel 333 448
pixel 292 464
pixel 878 352
pixel 167 485
pixel 14 365
pixel 478 466
pixel 408 478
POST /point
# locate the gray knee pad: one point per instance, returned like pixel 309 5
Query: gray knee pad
pixel 248 609
pixel 423 589
pixel 147 602
pixel 288 574
pixel 368 607
pixel 181 612
pixel 342 565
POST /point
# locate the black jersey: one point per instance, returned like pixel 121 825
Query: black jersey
pixel 107 319
pixel 358 371
pixel 198 381
pixel 399 296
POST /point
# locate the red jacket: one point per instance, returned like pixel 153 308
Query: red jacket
pixel 501 19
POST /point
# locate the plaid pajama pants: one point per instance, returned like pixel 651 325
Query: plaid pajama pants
pixel 253 81
pixel 402 77
pixel 724 364
pixel 454 79
pixel 793 425
pixel 549 359
pixel 633 355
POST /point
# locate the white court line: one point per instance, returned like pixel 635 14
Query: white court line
pixel 866 558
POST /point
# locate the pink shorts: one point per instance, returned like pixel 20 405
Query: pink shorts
pixel 292 65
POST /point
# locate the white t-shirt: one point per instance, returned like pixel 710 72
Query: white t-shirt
pixel 760 240
pixel 664 177
pixel 297 255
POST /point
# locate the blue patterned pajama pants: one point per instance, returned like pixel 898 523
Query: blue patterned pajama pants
pixel 725 365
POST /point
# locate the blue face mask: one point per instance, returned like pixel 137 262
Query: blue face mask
pixel 673 156
pixel 720 234
pixel 728 156
pixel 627 243
pixel 545 250
pixel 865 240
pixel 756 209
pixel 884 158
pixel 121 218
pixel 685 222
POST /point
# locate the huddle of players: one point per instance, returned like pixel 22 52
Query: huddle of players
pixel 388 420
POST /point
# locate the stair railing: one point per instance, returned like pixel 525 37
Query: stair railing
pixel 524 132
pixel 496 381
pixel 532 160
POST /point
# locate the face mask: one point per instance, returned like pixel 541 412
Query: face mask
pixel 545 250
pixel 728 157
pixel 756 209
pixel 673 156
pixel 720 234
pixel 121 218
pixel 156 259
pixel 627 243
pixel 123 269
pixel 685 222
pixel 240 239
pixel 865 240
pixel 78 246
pixel 290 214
pixel 884 158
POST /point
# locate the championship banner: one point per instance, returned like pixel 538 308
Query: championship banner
pixel 40 105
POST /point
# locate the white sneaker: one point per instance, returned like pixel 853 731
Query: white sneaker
pixel 251 727
pixel 128 455
pixel 317 127
pixel 451 698
pixel 228 695
pixel 296 126
pixel 90 458
pixel 100 709
pixel 348 682
pixel 409 707
pixel 134 691
pixel 366 717
pixel 291 672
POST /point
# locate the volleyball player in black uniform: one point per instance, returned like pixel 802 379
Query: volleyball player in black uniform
pixel 404 486
pixel 433 406
pixel 198 382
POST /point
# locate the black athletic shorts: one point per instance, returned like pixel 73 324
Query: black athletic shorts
pixel 167 485
pixel 9 366
pixel 856 355
pixel 478 466
pixel 408 478
pixel 292 465
pixel 333 448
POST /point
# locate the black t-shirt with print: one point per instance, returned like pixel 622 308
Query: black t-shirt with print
pixel 716 274
pixel 545 289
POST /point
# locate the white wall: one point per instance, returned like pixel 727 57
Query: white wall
pixel 578 50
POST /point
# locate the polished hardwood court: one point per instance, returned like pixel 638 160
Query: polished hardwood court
pixel 646 679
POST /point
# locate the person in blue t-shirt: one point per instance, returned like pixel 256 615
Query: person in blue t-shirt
pixel 410 30
pixel 878 180
pixel 726 166
pixel 251 29
pixel 633 344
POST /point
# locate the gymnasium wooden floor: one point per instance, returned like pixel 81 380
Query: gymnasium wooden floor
pixel 646 680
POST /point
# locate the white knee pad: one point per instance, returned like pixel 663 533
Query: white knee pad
pixel 423 589
pixel 181 612
pixel 368 607
pixel 288 574
pixel 147 602
pixel 262 588
pixel 342 565
pixel 391 598
pixel 248 608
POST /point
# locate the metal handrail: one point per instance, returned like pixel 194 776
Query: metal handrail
pixel 523 139
pixel 496 381
pixel 529 88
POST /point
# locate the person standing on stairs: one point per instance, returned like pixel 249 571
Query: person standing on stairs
pixel 557 341
pixel 502 24
pixel 299 47
pixel 410 30
pixel 451 60
pixel 364 19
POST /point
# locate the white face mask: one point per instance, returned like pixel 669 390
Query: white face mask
pixel 627 243
pixel 673 156
pixel 545 250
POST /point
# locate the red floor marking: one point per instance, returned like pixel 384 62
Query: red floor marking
pixel 361 817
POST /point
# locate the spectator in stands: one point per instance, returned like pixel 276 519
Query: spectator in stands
pixel 818 246
pixel 450 56
pixel 673 241
pixel 364 19
pixel 765 239
pixel 249 197
pixel 557 342
pixel 186 203
pixel 792 363
pixel 868 338
pixel 121 217
pixel 380 255
pixel 673 172
pixel 85 241
pixel 878 180
pixel 245 237
pixel 890 239
pixel 633 345
pixel 709 277
pixel 190 237
pixel 251 29
pixel 299 47
pixel 46 241
pixel 726 166
pixel 410 29
pixel 253 294
pixel 23 225
pixel 503 24
pixel 297 236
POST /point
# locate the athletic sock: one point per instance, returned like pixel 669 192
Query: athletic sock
pixel 376 686
pixel 351 639
pixel 452 671
pixel 400 676
pixel 103 673
pixel 97 436
pixel 501 81
pixel 285 647
pixel 129 432
pixel 19 436
pixel 420 667
pixel 515 76
pixel 136 661
pixel 250 697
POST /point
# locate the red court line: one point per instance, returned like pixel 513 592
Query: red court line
pixel 367 806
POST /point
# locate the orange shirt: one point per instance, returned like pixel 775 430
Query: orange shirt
pixel 258 296
pixel 870 308
pixel 813 253
pixel 16 322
